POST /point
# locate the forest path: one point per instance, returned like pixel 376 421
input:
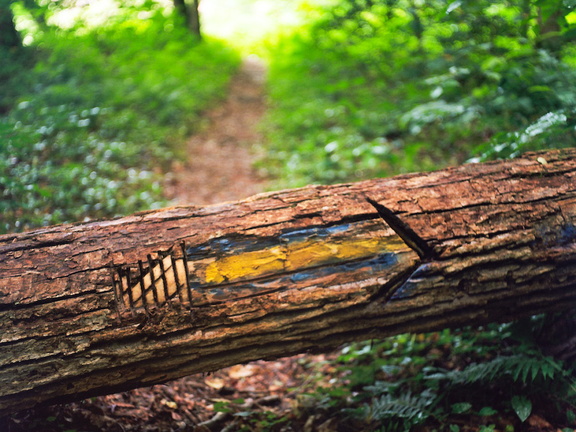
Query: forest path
pixel 220 159
pixel 218 168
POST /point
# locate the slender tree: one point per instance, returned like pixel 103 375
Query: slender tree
pixel 188 10
pixel 9 37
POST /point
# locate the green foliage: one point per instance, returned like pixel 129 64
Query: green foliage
pixel 400 412
pixel 522 407
pixel 376 88
pixel 556 129
pixel 248 419
pixel 266 421
pixel 102 110
pixel 520 368
pixel 441 378
pixel 12 64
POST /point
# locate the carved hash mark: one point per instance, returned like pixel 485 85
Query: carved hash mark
pixel 117 291
pixel 154 282
pixel 186 270
pixel 142 294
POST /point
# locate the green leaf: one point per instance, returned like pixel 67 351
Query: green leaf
pixel 487 411
pixel 539 88
pixel 522 407
pixel 547 371
pixel 525 371
pixel 571 417
pixel 461 407
pixel 222 407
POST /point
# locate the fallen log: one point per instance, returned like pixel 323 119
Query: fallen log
pixel 100 307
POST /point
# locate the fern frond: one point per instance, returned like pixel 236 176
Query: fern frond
pixel 412 409
pixel 520 367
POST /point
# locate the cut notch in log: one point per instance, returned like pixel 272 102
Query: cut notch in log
pixel 94 308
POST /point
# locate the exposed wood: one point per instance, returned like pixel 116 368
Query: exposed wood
pixel 281 273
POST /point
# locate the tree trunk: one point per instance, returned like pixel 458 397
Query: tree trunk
pixel 190 13
pixel 9 37
pixel 550 33
pixel 101 307
pixel 194 19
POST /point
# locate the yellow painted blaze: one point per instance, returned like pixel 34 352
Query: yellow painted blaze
pixel 253 263
pixel 298 255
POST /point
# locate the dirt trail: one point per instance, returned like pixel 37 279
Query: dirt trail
pixel 219 168
pixel 220 158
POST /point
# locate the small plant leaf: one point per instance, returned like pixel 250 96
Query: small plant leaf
pixel 461 407
pixel 522 407
pixel 487 411
pixel 222 407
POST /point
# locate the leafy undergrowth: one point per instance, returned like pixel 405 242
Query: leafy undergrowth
pixel 450 381
pixel 373 89
pixel 444 381
pixel 99 114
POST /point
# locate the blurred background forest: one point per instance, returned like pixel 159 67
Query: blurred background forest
pixel 97 99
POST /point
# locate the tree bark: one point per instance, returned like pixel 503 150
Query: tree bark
pixel 106 306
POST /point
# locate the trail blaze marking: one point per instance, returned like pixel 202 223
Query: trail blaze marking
pixel 234 266
pixel 296 256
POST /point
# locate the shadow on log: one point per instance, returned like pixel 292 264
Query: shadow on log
pixel 107 306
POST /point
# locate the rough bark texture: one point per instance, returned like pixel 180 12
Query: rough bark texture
pixel 100 307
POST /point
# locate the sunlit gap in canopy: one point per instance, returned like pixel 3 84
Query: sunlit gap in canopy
pixel 246 24
pixel 243 23
pixel 86 13
pixel 95 13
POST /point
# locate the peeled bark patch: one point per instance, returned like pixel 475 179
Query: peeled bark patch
pixel 95 308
